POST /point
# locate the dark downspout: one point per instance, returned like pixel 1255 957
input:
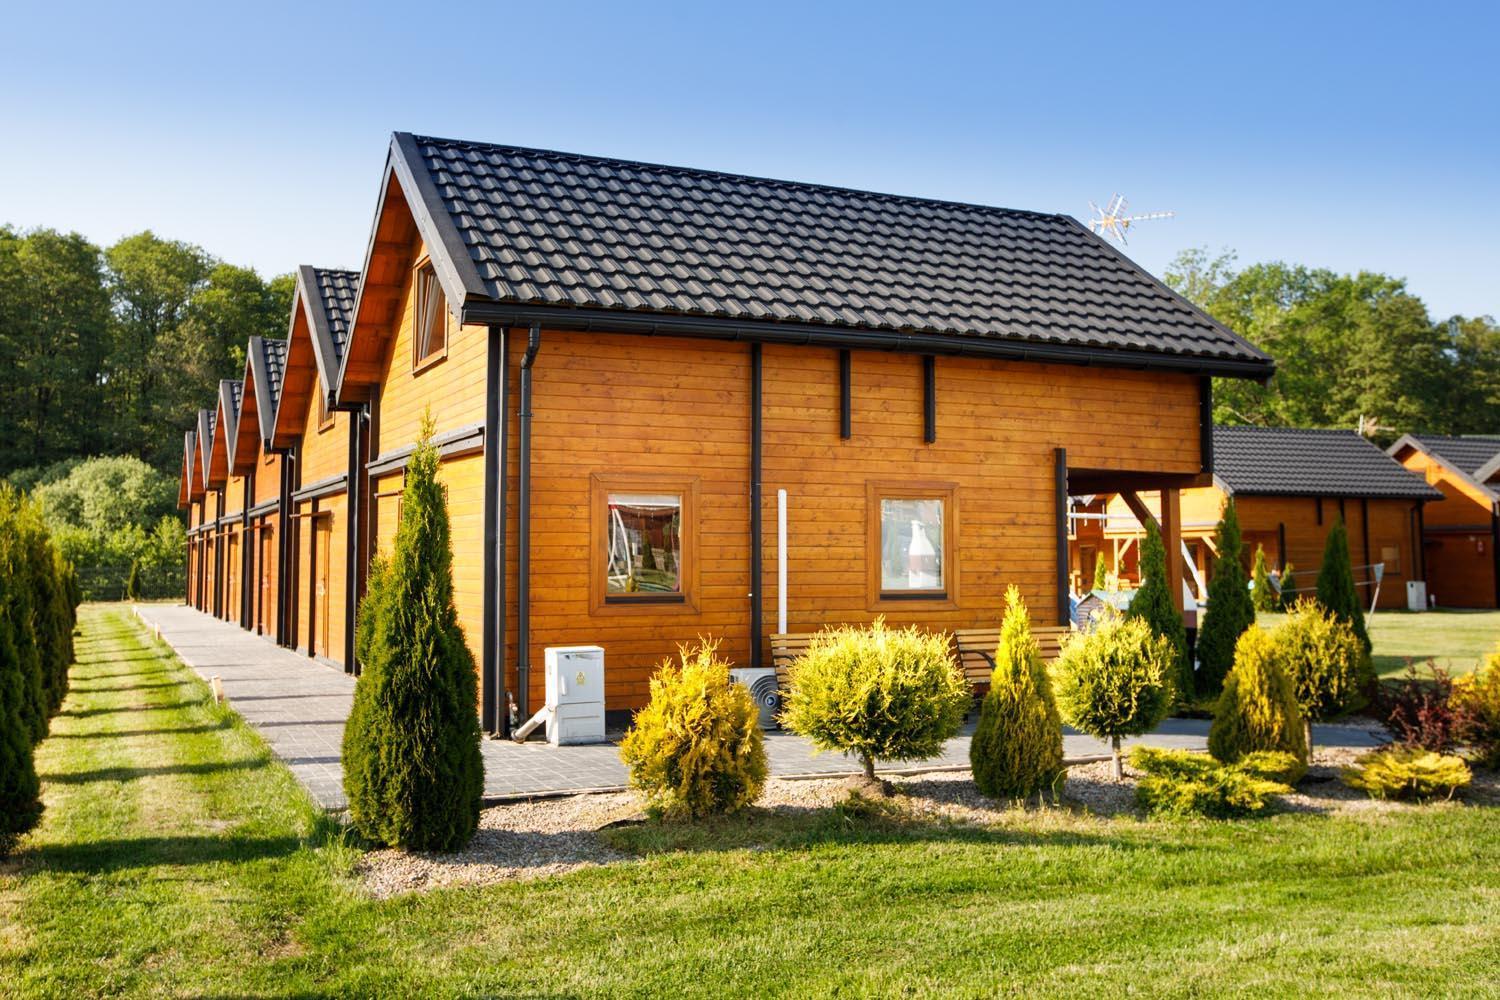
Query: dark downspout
pixel 353 498
pixel 220 591
pixel 1060 487
pixel 283 531
pixel 492 673
pixel 523 517
pixel 929 398
pixel 1206 424
pixel 846 379
pixel 756 624
pixel 247 554
pixel 1495 549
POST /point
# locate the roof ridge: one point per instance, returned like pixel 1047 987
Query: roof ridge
pixel 558 154
pixel 1297 430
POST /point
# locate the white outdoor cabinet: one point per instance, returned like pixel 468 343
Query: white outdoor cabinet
pixel 575 694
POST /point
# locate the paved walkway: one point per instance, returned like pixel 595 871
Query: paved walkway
pixel 299 706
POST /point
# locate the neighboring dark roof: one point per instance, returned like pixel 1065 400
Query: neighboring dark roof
pixel 337 289
pixel 1285 461
pixel 273 357
pixel 533 227
pixel 206 421
pixel 328 300
pixel 1468 454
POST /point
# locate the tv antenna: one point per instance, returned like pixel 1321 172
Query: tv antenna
pixel 1113 222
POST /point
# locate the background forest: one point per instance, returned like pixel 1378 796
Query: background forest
pixel 108 352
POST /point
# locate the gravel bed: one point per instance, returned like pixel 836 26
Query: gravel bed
pixel 546 837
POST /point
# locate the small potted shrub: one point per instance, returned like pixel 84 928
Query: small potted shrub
pixel 696 749
pixel 1257 710
pixel 1017 748
pixel 1115 680
pixel 877 693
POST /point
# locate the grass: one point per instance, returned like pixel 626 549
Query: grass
pixel 1457 641
pixel 177 858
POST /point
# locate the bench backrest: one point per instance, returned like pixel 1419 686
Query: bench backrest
pixel 975 648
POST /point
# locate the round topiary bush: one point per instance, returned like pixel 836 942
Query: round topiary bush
pixel 1017 747
pixel 1115 680
pixel 1324 659
pixel 877 693
pixel 696 749
pixel 1257 709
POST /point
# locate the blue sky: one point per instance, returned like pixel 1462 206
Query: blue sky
pixel 1294 132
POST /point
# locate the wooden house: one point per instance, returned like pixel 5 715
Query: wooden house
pixel 632 370
pixel 1460 534
pixel 261 470
pixel 320 444
pixel 211 504
pixel 190 499
pixel 1289 487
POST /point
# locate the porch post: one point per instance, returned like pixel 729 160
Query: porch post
pixel 1060 487
pixel 1171 539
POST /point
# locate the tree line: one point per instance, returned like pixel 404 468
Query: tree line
pixel 112 350
pixel 1347 346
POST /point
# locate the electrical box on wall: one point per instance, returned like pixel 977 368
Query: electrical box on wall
pixel 575 694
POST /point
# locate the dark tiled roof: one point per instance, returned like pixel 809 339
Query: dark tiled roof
pixel 558 229
pixel 337 289
pixel 1469 454
pixel 1287 461
pixel 236 393
pixel 274 354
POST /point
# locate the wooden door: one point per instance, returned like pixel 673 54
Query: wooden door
pixel 322 536
pixel 263 612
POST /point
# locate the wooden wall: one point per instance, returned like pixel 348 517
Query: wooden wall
pixel 1458 538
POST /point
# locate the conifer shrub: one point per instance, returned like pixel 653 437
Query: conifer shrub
pixel 1323 657
pixel 1153 604
pixel 1114 681
pixel 1101 572
pixel 877 693
pixel 1017 748
pixel 53 615
pixel 1263 594
pixel 1336 589
pixel 1408 773
pixel 1257 710
pixel 1288 593
pixel 19 608
pixel 1182 784
pixel 1476 702
pixel 1229 612
pixel 20 791
pixel 412 768
pixel 133 581
pixel 696 749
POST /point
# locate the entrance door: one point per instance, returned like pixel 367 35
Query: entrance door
pixel 322 536
pixel 263 612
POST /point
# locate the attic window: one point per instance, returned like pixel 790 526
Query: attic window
pixel 430 325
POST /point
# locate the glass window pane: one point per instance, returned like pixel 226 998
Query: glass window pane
pixel 911 545
pixel 644 544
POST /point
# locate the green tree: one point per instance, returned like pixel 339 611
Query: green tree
pixel 1153 604
pixel 1017 748
pixel 1229 609
pixel 20 610
pixel 1264 595
pixel 1336 589
pixel 1257 710
pixel 104 495
pixel 413 771
pixel 1101 573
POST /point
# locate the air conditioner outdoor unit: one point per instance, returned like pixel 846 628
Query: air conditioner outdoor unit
pixel 762 684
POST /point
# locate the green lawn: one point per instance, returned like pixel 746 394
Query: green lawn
pixel 1457 641
pixel 175 858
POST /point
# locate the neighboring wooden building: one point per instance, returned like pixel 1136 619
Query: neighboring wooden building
pixel 1290 485
pixel 1461 535
pixel 261 468
pixel 189 498
pixel 624 363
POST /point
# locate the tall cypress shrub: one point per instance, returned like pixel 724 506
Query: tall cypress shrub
pixel 1017 748
pixel 52 614
pixel 412 767
pixel 1101 573
pixel 1336 590
pixel 20 791
pixel 1264 596
pixel 17 604
pixel 1153 603
pixel 1229 612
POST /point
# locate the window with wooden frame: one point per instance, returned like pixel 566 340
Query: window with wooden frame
pixel 325 415
pixel 429 328
pixel 912 544
pixel 643 542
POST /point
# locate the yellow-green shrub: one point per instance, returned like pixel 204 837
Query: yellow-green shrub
pixel 1182 783
pixel 1476 702
pixel 1324 659
pixel 1257 710
pixel 696 748
pixel 1115 680
pixel 1407 773
pixel 1017 747
pixel 877 693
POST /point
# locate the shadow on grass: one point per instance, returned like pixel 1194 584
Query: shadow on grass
pixel 88 713
pixel 126 733
pixel 114 688
pixel 151 771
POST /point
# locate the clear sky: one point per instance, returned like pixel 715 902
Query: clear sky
pixel 1350 136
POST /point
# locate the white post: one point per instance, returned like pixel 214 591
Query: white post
pixel 781 562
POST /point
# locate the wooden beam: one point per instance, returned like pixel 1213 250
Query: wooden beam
pixel 1171 537
pixel 1060 485
pixel 1140 510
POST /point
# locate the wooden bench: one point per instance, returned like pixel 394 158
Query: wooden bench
pixel 975 648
